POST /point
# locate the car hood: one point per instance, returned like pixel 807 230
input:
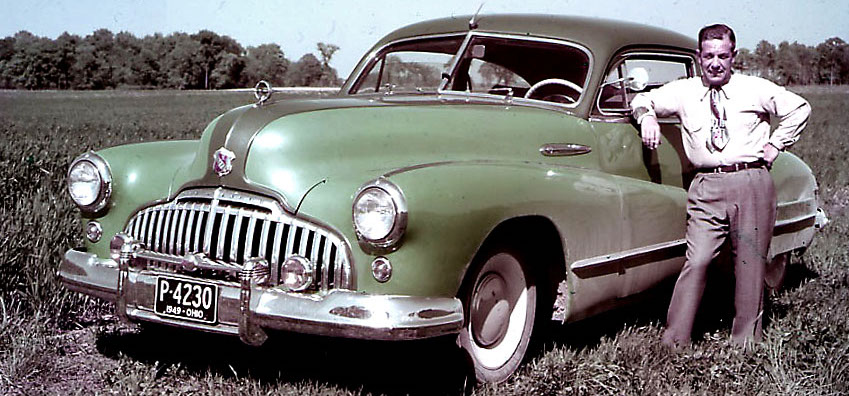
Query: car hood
pixel 289 148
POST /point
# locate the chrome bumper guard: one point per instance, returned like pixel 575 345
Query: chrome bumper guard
pixel 247 308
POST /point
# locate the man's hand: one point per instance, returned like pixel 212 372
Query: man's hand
pixel 650 131
pixel 770 153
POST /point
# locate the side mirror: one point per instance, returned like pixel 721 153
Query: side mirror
pixel 478 51
pixel 637 79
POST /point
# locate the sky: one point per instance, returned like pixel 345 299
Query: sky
pixel 297 25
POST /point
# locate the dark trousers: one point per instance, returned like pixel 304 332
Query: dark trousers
pixel 739 206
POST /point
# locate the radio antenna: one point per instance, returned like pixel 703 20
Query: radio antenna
pixel 473 23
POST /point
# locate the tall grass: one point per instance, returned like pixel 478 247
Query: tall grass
pixel 806 347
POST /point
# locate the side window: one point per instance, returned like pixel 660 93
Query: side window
pixel 616 92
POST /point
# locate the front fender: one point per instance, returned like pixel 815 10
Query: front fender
pixel 454 206
pixel 141 173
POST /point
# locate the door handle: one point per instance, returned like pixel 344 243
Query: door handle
pixel 563 149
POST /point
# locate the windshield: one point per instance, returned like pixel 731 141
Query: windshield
pixel 528 68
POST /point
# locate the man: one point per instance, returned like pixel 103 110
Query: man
pixel 725 125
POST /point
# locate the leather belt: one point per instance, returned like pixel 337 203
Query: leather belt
pixel 734 167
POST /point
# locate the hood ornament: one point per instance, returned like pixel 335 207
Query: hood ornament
pixel 222 161
pixel 262 92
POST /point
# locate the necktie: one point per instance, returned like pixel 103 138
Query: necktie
pixel 718 132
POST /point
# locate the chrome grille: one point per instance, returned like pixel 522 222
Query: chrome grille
pixel 231 227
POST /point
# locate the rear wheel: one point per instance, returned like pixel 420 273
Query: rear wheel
pixel 500 307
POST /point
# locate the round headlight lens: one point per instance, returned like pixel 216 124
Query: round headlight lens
pixel 374 214
pixel 90 182
pixel 84 183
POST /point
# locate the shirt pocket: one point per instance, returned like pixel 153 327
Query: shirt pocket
pixel 746 119
pixel 694 117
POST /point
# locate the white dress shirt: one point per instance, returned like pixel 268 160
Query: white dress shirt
pixel 748 102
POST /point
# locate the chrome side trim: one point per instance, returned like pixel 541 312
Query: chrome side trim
pixel 618 262
pixel 794 224
pixel 563 149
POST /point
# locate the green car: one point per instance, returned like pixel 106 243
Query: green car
pixel 475 177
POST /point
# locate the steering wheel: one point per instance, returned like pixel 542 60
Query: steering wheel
pixel 558 81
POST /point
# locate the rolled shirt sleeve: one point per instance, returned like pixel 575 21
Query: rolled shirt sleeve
pixel 791 110
pixel 664 101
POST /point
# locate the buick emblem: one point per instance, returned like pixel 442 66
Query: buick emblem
pixel 222 161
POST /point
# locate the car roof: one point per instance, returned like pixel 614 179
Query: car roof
pixel 602 37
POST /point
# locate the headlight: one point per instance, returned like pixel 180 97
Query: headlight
pixel 380 215
pixel 374 214
pixel 89 182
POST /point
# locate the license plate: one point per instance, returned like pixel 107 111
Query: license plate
pixel 185 299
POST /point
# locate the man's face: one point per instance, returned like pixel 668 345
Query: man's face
pixel 715 57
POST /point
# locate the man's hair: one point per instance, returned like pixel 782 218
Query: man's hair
pixel 717 31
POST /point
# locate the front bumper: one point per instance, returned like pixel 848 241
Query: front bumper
pixel 247 309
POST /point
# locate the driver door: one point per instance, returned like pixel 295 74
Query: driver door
pixel 654 187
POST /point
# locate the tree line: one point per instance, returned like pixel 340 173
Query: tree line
pixel 797 64
pixel 204 60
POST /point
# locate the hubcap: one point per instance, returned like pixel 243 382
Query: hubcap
pixel 490 310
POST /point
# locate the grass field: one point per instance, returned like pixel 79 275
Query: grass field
pixel 56 342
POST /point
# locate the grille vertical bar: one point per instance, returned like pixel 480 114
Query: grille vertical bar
pixel 181 229
pixel 201 225
pixel 263 241
pixel 234 244
pixel 249 239
pixel 172 229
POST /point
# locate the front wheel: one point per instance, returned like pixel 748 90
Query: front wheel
pixel 500 306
